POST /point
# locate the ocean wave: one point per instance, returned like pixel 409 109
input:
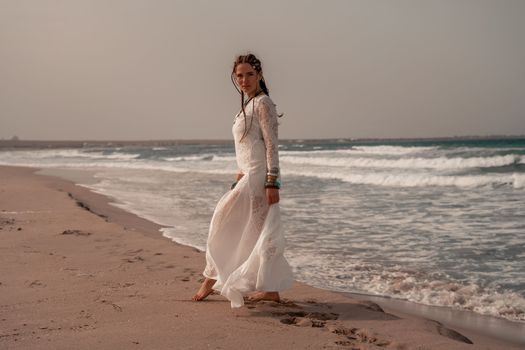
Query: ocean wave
pixel 436 289
pixel 363 150
pixel 409 163
pixel 224 158
pixel 417 180
pixel 392 150
pixel 68 154
pixel 203 157
pixel 123 165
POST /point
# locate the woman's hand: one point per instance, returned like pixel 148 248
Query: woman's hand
pixel 272 195
pixel 239 176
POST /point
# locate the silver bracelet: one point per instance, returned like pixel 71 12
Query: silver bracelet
pixel 273 172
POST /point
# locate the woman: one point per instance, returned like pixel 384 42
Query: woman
pixel 244 251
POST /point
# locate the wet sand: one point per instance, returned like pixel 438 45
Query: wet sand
pixel 78 272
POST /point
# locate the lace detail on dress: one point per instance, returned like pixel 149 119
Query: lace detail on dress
pixel 259 211
pixel 267 114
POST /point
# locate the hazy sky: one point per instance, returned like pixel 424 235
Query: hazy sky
pixel 159 69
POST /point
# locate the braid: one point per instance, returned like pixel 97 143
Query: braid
pixel 257 66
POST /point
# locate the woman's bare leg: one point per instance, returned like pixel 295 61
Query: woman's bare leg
pixel 205 290
pixel 271 296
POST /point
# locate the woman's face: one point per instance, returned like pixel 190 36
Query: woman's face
pixel 247 78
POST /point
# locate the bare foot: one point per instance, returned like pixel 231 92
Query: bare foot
pixel 271 296
pixel 205 290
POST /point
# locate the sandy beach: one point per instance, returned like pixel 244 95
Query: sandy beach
pixel 80 273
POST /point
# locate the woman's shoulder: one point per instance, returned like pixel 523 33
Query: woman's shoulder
pixel 265 100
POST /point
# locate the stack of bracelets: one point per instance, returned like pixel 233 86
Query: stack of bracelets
pixel 272 179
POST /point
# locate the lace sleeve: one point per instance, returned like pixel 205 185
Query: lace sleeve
pixel 267 114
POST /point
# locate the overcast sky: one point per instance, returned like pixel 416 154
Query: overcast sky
pixel 160 69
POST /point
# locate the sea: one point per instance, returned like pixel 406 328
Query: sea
pixel 432 222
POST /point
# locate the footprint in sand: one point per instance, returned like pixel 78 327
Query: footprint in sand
pixel 134 259
pixel 355 336
pixel 133 252
pixel 85 314
pixel 116 307
pixel 449 333
pixel 306 319
pixel 351 337
pixel 82 327
pixel 36 283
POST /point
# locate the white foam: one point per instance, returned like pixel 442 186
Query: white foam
pixel 518 180
pixel 366 150
pixel 171 233
pixel 224 158
pixel 392 149
pixel 204 157
pixel 410 179
pixel 69 154
pixel 124 165
pixel 348 275
pixel 408 163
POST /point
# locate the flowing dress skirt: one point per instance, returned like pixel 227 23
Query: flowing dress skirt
pixel 245 246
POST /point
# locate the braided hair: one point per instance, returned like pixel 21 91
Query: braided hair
pixel 257 66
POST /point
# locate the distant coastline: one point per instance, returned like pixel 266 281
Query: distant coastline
pixel 39 144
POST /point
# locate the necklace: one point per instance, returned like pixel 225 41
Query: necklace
pixel 246 104
pixel 251 98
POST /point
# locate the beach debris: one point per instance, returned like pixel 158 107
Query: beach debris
pixel 76 233
pixel 7 221
pixel 86 207
pixel 9 335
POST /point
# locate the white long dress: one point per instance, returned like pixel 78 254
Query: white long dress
pixel 245 246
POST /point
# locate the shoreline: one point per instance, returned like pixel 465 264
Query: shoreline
pixel 465 320
pixel 355 305
pixel 10 144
